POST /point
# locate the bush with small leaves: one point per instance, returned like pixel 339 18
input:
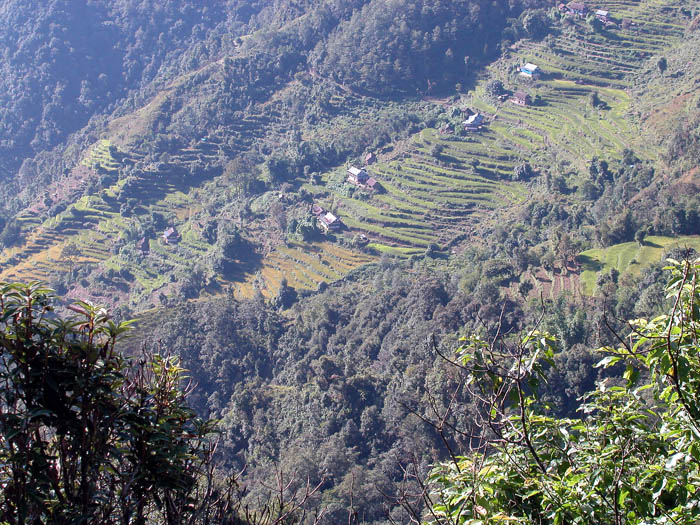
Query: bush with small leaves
pixel 633 454
pixel 87 435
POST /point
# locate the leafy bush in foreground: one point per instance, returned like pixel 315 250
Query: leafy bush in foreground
pixel 632 457
pixel 85 434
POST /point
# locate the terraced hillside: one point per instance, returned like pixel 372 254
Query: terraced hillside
pixel 96 222
pixel 577 64
pixel 304 267
pixel 437 189
pixel 425 199
pixel 439 197
pixel 563 127
pixel 612 54
pixel 47 233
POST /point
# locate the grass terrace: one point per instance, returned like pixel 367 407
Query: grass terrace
pixel 628 258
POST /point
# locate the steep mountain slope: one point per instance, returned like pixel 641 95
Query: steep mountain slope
pixel 64 62
pixel 437 188
pixel 254 105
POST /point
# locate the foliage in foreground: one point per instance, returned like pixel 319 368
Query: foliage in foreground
pixel 89 436
pixel 633 456
pixel 85 434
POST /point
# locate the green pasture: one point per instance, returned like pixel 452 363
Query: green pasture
pixel 628 258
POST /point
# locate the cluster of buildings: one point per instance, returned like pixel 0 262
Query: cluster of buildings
pixel 580 10
pixel 530 72
pixel 360 178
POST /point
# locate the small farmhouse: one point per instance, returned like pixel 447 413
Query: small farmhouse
pixel 474 122
pixel 577 8
pixel 171 236
pixel 530 71
pixel 143 246
pixel 316 210
pixel 521 98
pixel 357 176
pixel 361 179
pixel 603 16
pixel 370 158
pixel 371 184
pixel 329 222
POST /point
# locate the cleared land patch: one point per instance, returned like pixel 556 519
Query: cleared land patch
pixel 628 258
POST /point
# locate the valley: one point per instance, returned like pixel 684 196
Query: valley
pixel 319 210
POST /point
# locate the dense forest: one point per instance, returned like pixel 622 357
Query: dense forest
pixel 67 62
pixel 165 161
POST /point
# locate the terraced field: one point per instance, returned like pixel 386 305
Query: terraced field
pixel 304 266
pixel 611 56
pixel 426 198
pixel 437 198
pixel 94 227
pixel 563 125
pixel 40 255
pixel 93 224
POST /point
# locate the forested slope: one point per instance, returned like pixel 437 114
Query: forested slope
pixel 64 62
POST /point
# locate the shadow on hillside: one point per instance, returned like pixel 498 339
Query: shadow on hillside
pixel 589 263
pixel 240 269
pixel 449 159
